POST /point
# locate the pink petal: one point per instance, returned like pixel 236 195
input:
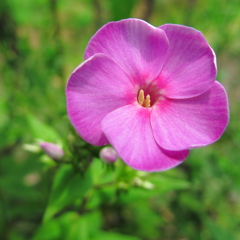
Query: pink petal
pixel 189 123
pixel 136 45
pixel 129 130
pixel 190 67
pixel 95 88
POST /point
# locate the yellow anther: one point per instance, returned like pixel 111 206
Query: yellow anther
pixel 141 97
pixel 147 101
pixel 142 101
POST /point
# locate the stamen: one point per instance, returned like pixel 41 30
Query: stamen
pixel 142 101
pixel 141 97
pixel 147 101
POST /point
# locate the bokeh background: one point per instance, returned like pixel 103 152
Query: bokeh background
pixel 41 42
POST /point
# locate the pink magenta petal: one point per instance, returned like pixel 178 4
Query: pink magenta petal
pixel 95 88
pixel 129 131
pixel 136 45
pixel 190 67
pixel 188 123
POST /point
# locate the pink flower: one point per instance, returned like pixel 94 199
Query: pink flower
pixel 149 92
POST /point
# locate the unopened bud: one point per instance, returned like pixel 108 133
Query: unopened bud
pixel 108 155
pixel 54 151
pixel 32 148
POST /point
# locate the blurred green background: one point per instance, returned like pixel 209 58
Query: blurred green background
pixel 41 42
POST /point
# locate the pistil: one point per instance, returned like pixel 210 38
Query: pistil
pixel 142 101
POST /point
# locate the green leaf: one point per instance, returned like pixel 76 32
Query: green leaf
pixel 100 173
pixel 121 9
pixel 217 232
pixel 68 186
pixel 116 236
pixel 48 231
pixel 82 227
pixel 41 130
pixel 166 183
pixel 2 217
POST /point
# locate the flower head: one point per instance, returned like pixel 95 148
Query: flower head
pixel 150 92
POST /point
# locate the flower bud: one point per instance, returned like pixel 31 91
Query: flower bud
pixel 108 155
pixel 54 151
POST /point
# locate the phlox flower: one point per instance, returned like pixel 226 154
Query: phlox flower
pixel 150 92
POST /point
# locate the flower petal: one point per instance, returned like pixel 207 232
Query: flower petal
pixel 129 131
pixel 189 123
pixel 190 67
pixel 136 45
pixel 95 88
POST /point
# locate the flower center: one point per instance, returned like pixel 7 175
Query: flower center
pixel 145 102
pixel 148 95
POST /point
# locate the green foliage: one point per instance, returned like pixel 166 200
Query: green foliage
pixel 42 131
pixel 217 232
pixel 68 185
pixel 49 231
pixel 79 197
pixel 121 9
pixel 108 236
